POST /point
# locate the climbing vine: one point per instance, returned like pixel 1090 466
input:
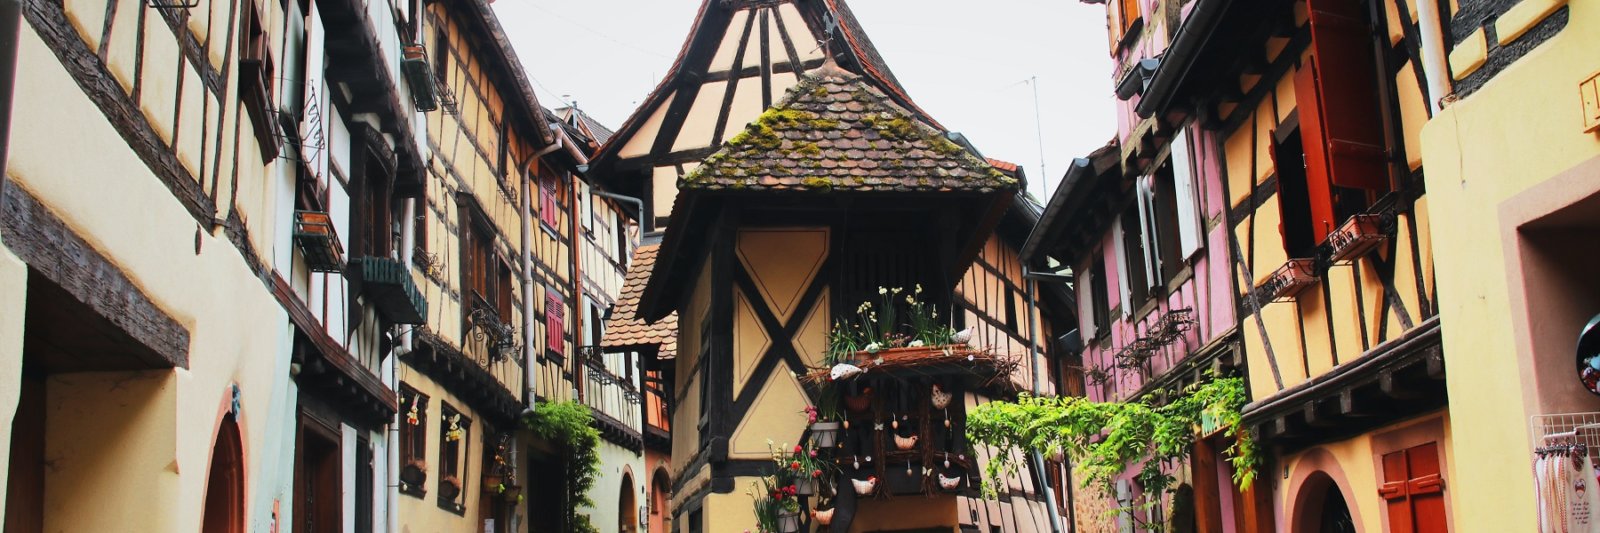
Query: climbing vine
pixel 1105 439
pixel 569 426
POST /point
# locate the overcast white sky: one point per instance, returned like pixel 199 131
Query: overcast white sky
pixel 967 63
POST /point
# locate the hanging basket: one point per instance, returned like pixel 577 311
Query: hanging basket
pixel 449 488
pixel 491 482
pixel 859 403
pixel 825 434
pixel 512 493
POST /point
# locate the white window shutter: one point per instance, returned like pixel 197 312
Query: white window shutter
pixel 1086 318
pixel 1183 182
pixel 1124 280
pixel 1152 252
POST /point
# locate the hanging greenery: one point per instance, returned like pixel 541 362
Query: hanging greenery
pixel 569 426
pixel 1105 439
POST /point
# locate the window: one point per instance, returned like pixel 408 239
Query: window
pixel 372 214
pixel 441 55
pixel 1011 310
pixel 1413 490
pixel 549 206
pixel 554 323
pixel 413 434
pixel 1094 308
pixel 255 79
pixel 486 276
pixel 452 474
pixel 622 240
pixel 419 227
pixel 364 487
pixel 1130 252
pixel 1340 124
pixel 585 205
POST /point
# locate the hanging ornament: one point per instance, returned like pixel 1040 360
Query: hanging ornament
pixel 895 422
pixel 877 426
pixel 856 462
pixel 947 459
pixel 947 418
pixel 908 467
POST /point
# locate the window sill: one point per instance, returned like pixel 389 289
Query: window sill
pixel 412 491
pixel 453 507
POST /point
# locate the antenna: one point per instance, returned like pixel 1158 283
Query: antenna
pixel 1038 131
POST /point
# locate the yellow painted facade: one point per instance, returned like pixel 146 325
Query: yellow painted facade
pixel 1501 160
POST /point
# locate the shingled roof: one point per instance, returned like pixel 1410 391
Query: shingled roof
pixel 626 329
pixel 834 132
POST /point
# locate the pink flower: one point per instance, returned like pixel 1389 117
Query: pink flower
pixel 813 453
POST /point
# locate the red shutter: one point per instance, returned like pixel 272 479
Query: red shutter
pixel 1413 490
pixel 547 201
pixel 1318 185
pixel 1350 129
pixel 554 321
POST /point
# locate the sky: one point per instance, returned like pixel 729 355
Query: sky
pixel 973 66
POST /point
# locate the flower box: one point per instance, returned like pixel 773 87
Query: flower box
pixel 1288 280
pixel 789 521
pixel 1356 237
pixel 314 235
pixel 805 485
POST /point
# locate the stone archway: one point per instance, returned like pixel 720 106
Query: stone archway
pixel 224 503
pixel 1320 507
pixel 627 506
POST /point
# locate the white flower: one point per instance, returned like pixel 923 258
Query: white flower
pixel 882 290
pixel 897 290
pixel 873 347
pixel 910 300
pixel 914 344
pixel 919 288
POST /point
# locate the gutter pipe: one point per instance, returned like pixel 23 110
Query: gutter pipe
pixel 1033 368
pixel 1433 60
pixel 531 394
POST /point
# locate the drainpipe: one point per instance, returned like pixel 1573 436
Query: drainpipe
pixel 529 180
pixel 1033 368
pixel 408 247
pixel 1433 60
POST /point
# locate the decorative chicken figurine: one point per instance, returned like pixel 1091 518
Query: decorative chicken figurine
pixel 962 337
pixel 949 483
pixel 865 486
pixel 842 371
pixel 905 443
pixel 822 517
pixel 941 399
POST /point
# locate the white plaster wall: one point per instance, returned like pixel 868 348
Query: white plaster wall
pixel 607 490
pixel 13 301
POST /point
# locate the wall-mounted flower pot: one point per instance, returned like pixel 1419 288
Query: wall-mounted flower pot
pixel 512 493
pixel 414 473
pixel 805 485
pixel 788 521
pixel 824 434
pixel 449 488
pixel 491 482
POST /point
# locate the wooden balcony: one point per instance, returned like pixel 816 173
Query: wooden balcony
pixel 387 284
pixel 612 397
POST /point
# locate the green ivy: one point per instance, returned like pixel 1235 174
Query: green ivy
pixel 569 425
pixel 1105 439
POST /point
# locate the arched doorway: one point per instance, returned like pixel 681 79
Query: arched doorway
pixel 660 499
pixel 224 507
pixel 1321 507
pixel 627 507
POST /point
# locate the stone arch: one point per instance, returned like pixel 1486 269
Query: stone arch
pixel 627 505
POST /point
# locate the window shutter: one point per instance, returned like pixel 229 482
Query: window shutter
pixel 1151 245
pixel 1183 184
pixel 1345 72
pixel 1121 250
pixel 1086 318
pixel 547 200
pixel 1319 188
pixel 1413 490
pixel 554 323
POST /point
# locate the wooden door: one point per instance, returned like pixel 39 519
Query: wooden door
pixel 1413 490
pixel 224 504
pixel 317 483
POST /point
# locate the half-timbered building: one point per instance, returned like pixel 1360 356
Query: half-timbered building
pixel 1310 111
pixel 767 238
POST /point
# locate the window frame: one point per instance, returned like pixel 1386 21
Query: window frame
pixel 413 437
pixel 257 72
pixel 456 464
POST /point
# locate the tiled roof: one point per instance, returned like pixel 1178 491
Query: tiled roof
pixel 600 133
pixel 1003 166
pixel 835 132
pixel 626 329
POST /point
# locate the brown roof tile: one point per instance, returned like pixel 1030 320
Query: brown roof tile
pixel 814 140
pixel 626 329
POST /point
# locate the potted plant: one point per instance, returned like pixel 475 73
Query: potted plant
pixel 414 473
pixel 805 469
pixel 511 493
pixel 777 509
pixel 824 430
pixel 493 482
pixel 449 488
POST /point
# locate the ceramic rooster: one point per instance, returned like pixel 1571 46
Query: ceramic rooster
pixel 865 486
pixel 842 371
pixel 949 483
pixel 822 518
pixel 941 399
pixel 905 443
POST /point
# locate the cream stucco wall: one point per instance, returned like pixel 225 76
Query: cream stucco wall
pixel 1521 129
pixel 193 274
pixel 13 301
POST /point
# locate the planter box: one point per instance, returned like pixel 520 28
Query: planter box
pixel 1288 280
pixel 788 522
pixel 1355 238
pixel 805 485
pixel 314 235
pixel 824 434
